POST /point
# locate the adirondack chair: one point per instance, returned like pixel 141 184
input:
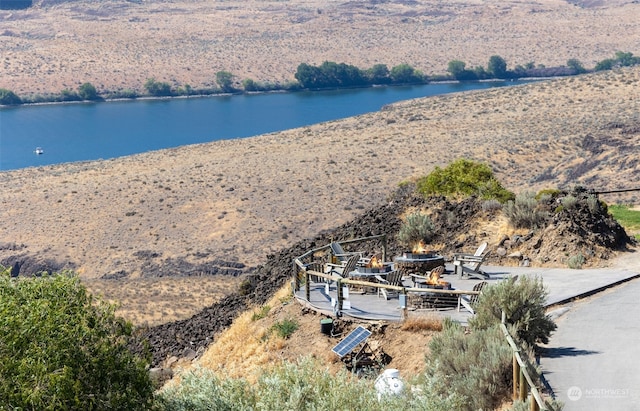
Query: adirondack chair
pixel 343 271
pixel 342 256
pixel 470 264
pixel 469 302
pixel 393 278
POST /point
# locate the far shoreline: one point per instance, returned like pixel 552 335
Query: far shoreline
pixel 243 92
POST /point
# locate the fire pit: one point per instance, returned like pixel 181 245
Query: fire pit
pixel 375 266
pixel 418 263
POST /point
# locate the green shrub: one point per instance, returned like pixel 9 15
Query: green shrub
pixel 594 204
pixel 576 261
pixel 263 312
pixel 523 302
pixel 200 389
pixel 525 212
pixel 463 177
pixel 491 205
pixel 157 88
pixel 285 327
pixel 9 98
pixel 548 193
pixel 61 350
pixel 475 366
pixel 569 202
pixel 417 227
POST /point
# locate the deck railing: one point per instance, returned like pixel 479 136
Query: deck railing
pixel 303 276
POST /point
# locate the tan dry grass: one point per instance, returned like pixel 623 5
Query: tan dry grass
pixel 119 44
pixel 293 184
pixel 153 301
pixel 247 347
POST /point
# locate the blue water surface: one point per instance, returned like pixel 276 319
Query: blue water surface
pixel 90 131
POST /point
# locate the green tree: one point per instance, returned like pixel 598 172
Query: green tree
pixel 225 81
pixel 459 72
pixel 404 73
pixel 9 98
pixel 456 68
pixel 576 65
pixel 497 67
pixel 626 59
pixel 61 350
pixel 69 95
pixel 249 85
pixel 157 88
pixel 606 64
pixel 378 74
pixel 87 91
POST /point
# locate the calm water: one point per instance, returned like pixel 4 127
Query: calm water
pixel 77 132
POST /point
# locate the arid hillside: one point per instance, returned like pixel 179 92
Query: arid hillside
pixel 203 213
pixel 119 44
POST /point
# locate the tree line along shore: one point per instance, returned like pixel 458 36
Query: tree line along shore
pixel 328 75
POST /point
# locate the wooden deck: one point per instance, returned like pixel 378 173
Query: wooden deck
pixel 563 285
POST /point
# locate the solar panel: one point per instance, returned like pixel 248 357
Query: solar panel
pixel 350 342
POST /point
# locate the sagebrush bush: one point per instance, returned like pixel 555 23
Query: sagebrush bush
pixel 576 261
pixel 415 228
pixel 303 385
pixel 200 389
pixel 475 366
pixel 523 302
pixel 569 202
pixel 491 205
pixel 525 212
pixel 463 177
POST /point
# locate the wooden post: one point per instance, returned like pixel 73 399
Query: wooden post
pixel 297 278
pixel 307 285
pixel 523 387
pixel 516 374
pixel 533 405
pixel 384 247
pixel 339 290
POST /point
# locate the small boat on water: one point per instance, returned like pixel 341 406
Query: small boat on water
pixel 38 150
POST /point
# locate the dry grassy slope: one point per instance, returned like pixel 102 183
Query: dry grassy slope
pixel 241 199
pixel 119 44
pixel 534 136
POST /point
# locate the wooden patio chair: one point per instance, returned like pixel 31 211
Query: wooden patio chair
pixel 342 256
pixel 393 278
pixel 469 302
pixel 469 264
pixel 343 271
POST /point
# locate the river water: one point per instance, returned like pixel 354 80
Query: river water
pixel 90 131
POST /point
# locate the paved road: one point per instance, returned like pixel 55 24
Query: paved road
pixel 593 358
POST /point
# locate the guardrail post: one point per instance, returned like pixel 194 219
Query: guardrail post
pixel 523 387
pixel 533 405
pixel 516 374
pixel 307 286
